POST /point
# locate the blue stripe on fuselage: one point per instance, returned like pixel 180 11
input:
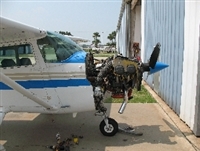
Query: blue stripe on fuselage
pixel 39 84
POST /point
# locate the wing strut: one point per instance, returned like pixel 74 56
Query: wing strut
pixel 11 83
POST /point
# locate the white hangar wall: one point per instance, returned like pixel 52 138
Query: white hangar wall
pixel 176 25
pixel 190 98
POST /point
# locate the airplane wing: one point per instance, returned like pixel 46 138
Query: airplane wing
pixel 12 30
pixel 77 39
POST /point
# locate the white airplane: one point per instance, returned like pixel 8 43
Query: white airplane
pixel 34 78
pixel 45 72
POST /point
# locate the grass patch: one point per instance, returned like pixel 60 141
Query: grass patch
pixel 142 96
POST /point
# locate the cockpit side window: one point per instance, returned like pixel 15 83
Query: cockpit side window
pixel 8 57
pixel 56 48
pixel 18 55
pixel 48 53
pixel 26 56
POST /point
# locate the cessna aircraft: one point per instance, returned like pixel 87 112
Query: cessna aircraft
pixel 45 72
pixel 36 79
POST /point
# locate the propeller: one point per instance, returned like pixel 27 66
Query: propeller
pixel 154 56
pixel 153 66
pixel 153 59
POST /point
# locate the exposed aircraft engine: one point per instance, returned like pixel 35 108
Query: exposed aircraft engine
pixel 115 74
pixel 119 75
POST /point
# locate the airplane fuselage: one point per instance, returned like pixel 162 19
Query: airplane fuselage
pixel 67 91
pixel 41 72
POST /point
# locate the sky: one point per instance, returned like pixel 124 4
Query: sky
pixel 80 17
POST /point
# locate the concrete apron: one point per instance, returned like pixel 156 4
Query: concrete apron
pixel 157 122
pixel 179 124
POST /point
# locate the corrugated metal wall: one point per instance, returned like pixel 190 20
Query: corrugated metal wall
pixel 164 23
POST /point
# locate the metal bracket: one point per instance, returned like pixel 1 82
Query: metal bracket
pixel 105 117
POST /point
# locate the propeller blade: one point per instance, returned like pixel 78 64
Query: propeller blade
pixel 158 66
pixel 154 56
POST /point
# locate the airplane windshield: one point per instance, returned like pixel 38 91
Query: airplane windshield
pixel 56 47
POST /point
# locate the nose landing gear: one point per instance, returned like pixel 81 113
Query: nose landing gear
pixel 108 127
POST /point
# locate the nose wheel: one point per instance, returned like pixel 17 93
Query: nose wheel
pixel 108 127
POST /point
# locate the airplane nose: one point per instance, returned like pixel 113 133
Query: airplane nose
pixel 159 66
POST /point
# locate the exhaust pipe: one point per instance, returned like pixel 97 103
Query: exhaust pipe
pixel 123 106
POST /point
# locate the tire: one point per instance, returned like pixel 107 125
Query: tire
pixel 112 130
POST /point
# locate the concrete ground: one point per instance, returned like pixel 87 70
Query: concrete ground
pixel 162 130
